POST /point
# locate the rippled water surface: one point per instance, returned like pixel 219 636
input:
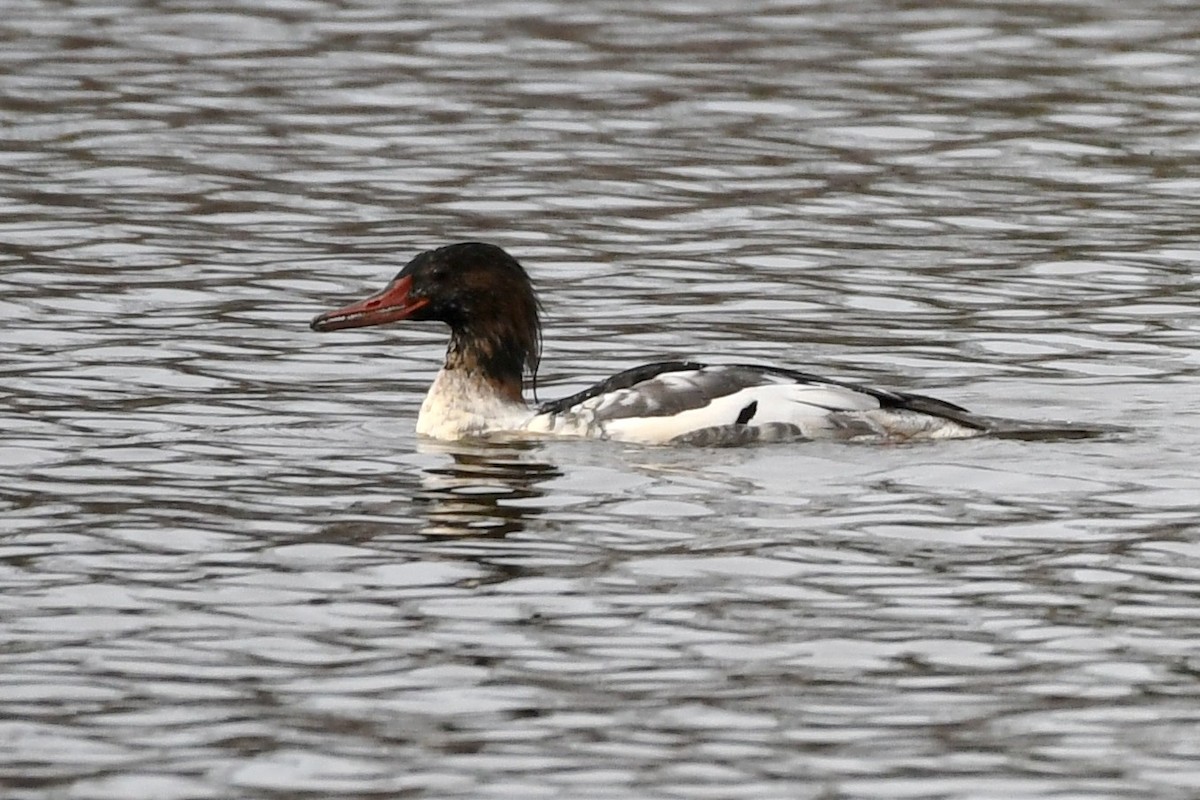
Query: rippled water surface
pixel 228 568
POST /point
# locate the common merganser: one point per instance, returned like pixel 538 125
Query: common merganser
pixel 487 299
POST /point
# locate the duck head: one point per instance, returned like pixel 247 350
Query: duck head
pixel 480 291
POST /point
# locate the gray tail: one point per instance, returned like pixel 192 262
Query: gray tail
pixel 1001 428
pixel 1049 431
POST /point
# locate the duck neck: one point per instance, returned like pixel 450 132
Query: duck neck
pixel 496 367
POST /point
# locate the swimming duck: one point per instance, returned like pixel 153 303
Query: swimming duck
pixel 487 299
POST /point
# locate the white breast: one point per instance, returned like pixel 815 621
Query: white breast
pixel 461 405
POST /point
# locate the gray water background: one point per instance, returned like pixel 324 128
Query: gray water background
pixel 228 568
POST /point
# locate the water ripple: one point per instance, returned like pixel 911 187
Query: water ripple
pixel 229 567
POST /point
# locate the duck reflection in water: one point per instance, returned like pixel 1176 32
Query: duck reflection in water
pixel 485 490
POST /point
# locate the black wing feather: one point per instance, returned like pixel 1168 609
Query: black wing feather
pixel 622 380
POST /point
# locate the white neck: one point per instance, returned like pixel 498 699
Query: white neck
pixel 461 403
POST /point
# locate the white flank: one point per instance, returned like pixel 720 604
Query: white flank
pixel 806 407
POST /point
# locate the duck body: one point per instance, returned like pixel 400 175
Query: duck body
pixel 486 298
pixel 683 402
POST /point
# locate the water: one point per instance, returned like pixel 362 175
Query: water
pixel 229 568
